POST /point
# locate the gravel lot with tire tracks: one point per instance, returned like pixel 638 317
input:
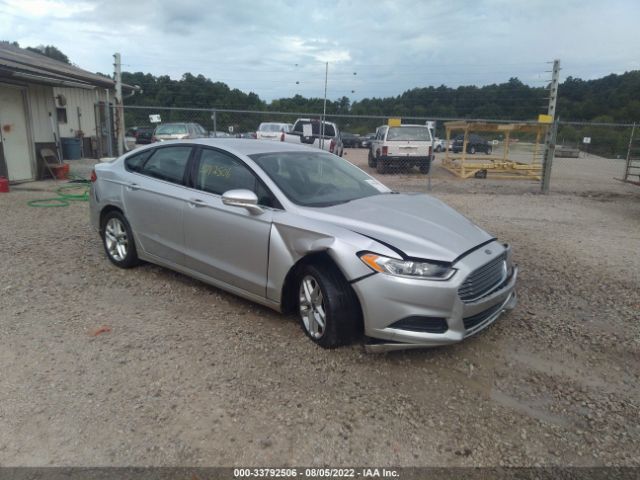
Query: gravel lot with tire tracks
pixel 191 375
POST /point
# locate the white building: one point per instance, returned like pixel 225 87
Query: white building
pixel 42 103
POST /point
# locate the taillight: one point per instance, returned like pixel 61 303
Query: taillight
pixel 332 145
pixel 385 150
pixel 282 137
pixel 430 150
pixel 93 177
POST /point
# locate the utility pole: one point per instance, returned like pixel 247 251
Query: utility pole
pixel 550 136
pixel 324 108
pixel 117 76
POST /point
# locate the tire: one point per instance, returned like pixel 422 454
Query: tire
pixel 438 149
pixel 325 296
pixel 425 167
pixel 117 240
pixel 381 166
pixel 488 152
pixel 472 150
pixel 371 161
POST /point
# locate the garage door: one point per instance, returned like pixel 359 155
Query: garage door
pixel 13 131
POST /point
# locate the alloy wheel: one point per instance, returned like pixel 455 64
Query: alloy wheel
pixel 116 239
pixel 312 310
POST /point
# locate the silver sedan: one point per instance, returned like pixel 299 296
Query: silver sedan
pixel 302 230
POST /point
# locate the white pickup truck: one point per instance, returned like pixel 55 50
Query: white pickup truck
pixel 309 131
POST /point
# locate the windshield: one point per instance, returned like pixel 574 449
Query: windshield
pixel 317 179
pixel 409 133
pixel 171 129
pixel 272 127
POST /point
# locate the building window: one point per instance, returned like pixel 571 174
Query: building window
pixel 62 114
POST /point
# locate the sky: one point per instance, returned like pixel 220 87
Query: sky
pixel 375 48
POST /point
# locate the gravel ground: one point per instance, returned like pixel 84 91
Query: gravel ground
pixel 191 375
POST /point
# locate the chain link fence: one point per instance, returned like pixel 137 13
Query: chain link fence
pixel 590 157
pixel 578 166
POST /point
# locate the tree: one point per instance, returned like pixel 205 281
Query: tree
pixel 51 52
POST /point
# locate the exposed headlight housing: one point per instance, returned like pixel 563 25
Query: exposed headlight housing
pixel 407 268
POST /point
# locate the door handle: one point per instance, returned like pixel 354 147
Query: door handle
pixel 196 202
pixel 133 186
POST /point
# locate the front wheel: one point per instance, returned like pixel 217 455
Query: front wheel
pixel 118 242
pixel 328 310
pixel 472 150
pixel 488 149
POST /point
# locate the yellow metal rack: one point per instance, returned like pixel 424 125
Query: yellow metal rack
pixel 525 164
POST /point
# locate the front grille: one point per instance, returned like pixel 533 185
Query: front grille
pixel 422 324
pixel 478 318
pixel 484 280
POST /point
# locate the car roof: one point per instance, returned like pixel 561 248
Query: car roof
pixel 247 146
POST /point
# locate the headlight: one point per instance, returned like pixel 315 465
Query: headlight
pixel 407 268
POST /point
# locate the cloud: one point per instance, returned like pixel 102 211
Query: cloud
pixel 278 48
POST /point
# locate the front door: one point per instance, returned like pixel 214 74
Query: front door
pixel 223 242
pixel 13 130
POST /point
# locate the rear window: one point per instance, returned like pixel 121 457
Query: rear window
pixel 409 133
pixel 272 127
pixel 316 128
pixel 171 129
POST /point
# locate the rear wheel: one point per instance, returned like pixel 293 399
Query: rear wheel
pixel 371 161
pixel 425 167
pixel 488 149
pixel 381 166
pixel 472 150
pixel 328 310
pixel 117 239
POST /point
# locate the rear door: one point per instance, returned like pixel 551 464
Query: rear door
pixel 223 242
pixel 155 197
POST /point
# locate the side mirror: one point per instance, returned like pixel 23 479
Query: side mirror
pixel 242 198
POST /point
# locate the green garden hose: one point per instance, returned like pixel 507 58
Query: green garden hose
pixel 48 203
pixel 78 191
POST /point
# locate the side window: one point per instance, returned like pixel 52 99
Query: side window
pixel 219 172
pixel 168 163
pixel 134 163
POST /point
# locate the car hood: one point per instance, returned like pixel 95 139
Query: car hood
pixel 418 225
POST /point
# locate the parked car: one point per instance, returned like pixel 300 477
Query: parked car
pixel 142 135
pixel 219 134
pixel 298 229
pixel 313 135
pixel 367 139
pixel 246 135
pixel 351 140
pixel 272 130
pixel 404 145
pixel 475 143
pixel 439 144
pixel 178 131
